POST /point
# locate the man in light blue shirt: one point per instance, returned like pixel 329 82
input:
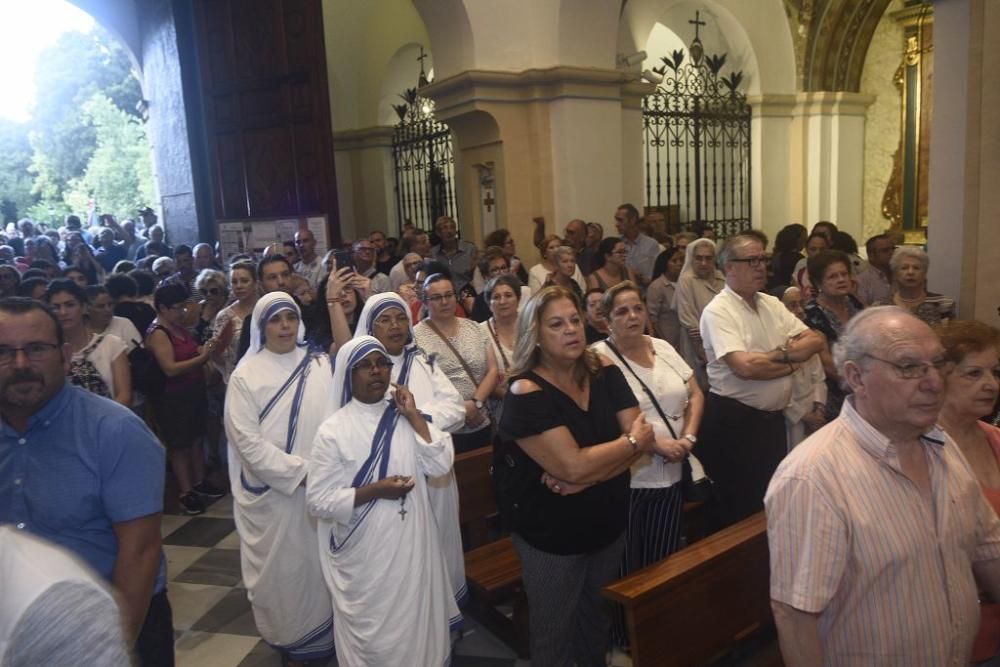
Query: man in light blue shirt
pixel 83 472
pixel 642 250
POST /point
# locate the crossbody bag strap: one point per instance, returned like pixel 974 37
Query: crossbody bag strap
pixel 461 360
pixel 656 403
pixel 496 339
pixel 87 351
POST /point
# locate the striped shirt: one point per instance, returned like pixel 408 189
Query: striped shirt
pixel 852 539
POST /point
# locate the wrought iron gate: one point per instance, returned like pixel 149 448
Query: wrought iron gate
pixel 696 135
pixel 424 163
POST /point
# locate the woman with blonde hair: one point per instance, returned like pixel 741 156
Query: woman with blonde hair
pixel 572 421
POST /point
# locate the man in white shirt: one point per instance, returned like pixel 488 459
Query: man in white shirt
pixel 309 265
pixel 753 345
pixel 642 250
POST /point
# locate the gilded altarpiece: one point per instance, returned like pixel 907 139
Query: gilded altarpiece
pixel 905 201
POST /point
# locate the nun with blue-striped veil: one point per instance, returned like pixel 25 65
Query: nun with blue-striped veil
pixel 381 555
pixel 385 317
pixel 278 396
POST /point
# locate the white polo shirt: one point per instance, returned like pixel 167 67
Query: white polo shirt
pixel 729 324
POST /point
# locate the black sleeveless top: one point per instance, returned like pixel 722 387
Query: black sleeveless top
pixel 580 523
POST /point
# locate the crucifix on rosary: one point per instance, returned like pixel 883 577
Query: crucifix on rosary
pixel 402 508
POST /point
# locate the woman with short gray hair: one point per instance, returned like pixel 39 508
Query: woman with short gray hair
pixel 909 266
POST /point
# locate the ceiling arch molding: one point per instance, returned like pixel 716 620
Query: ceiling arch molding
pixel 832 39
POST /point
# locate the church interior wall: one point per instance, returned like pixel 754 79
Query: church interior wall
pixel 882 120
pixel 371 54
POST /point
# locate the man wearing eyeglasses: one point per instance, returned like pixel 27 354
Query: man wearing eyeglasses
pixel 880 537
pixel 753 345
pixel 363 252
pixel 83 472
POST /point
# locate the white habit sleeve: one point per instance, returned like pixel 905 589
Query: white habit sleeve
pixel 329 494
pixel 265 460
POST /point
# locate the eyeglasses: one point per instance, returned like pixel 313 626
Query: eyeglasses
pixel 977 373
pixel 387 321
pixel 363 249
pixel 916 371
pixel 33 351
pixel 366 365
pixel 499 270
pixel 753 262
pixel 213 291
pixel 440 298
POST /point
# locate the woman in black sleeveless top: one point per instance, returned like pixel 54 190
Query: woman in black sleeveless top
pixel 570 430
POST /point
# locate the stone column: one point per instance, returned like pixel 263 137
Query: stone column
pixel 964 223
pixel 827 160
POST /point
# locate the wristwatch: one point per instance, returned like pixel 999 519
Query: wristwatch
pixel 691 437
pixel 479 404
pixel 632 441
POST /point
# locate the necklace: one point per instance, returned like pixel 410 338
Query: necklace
pixel 910 301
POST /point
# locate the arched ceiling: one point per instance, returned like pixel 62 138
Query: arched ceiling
pixel 831 40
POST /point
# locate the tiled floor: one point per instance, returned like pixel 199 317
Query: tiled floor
pixel 213 622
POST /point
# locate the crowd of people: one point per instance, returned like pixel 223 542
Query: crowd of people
pixel 615 377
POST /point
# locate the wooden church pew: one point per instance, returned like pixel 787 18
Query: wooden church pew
pixel 696 604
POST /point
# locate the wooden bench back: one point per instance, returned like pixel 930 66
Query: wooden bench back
pixel 694 605
pixel 476 502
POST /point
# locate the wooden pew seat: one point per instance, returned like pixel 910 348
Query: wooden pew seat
pixel 696 604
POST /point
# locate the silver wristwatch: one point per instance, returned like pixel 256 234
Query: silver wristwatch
pixel 632 441
pixel 479 404
pixel 690 437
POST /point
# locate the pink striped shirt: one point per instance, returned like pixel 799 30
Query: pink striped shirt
pixel 853 539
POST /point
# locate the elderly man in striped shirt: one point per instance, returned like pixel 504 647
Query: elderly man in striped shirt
pixel 880 537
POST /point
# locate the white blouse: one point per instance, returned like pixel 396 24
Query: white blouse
pixel 667 380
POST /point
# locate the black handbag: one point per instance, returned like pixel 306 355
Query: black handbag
pixel 693 489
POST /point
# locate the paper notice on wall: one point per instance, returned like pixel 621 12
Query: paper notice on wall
pixel 285 229
pixel 317 226
pixel 262 234
pixel 232 239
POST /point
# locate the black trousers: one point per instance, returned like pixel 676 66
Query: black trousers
pixel 740 448
pixel 155 645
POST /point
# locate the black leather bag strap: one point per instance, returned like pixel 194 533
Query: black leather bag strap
pixel 652 398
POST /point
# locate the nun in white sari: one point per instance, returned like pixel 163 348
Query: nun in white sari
pixel 385 317
pixel 380 553
pixel 276 400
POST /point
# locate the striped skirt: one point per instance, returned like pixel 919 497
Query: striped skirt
pixel 653 532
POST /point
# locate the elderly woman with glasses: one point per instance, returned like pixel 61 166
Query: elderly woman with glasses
pixel 971 391
pixel 181 408
pixel 212 285
pixel 909 266
pixel 463 350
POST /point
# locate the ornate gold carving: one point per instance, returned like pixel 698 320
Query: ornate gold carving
pixel 912 53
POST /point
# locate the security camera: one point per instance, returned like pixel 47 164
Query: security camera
pixel 632 60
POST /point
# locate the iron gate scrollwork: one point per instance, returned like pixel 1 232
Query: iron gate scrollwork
pixel 424 163
pixel 696 136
